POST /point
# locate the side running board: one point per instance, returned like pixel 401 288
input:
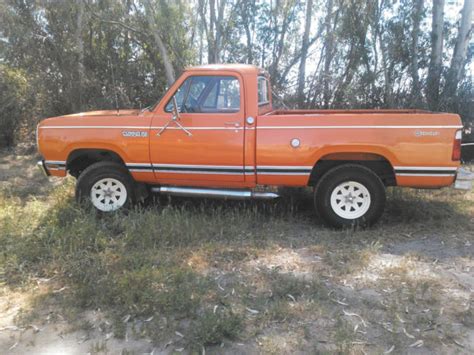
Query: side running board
pixel 213 193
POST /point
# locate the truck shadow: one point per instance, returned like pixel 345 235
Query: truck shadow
pixel 408 208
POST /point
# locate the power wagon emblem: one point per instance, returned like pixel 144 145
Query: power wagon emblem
pixel 141 134
pixel 426 133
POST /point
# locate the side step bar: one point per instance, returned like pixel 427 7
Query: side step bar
pixel 213 193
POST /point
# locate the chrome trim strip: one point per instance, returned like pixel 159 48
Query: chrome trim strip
pixel 432 175
pixel 350 127
pixel 440 168
pixel 284 167
pixel 242 128
pixel 144 127
pixel 198 166
pixel 220 169
pixel 55 162
pixel 206 172
pixel 138 164
pixel 190 168
pixel 55 165
pixel 466 144
pixel 283 173
pixel 86 127
pixel 202 128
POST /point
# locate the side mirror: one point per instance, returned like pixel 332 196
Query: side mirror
pixel 175 109
pixel 175 118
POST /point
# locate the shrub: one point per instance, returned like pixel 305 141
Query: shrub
pixel 13 101
pixel 213 327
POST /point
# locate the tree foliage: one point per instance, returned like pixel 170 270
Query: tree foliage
pixel 93 54
pixel 13 103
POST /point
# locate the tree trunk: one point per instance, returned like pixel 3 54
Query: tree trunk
pixel 387 74
pixel 80 55
pixel 415 88
pixel 204 27
pixel 329 45
pixel 211 40
pixel 460 51
pixel 201 42
pixel 247 10
pixel 435 68
pixel 214 31
pixel 219 29
pixel 278 50
pixel 304 51
pixel 355 55
pixel 249 44
pixel 169 71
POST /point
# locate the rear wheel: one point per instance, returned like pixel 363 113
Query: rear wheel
pixel 350 195
pixel 107 186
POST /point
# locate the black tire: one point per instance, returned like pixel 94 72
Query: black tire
pixel 105 170
pixel 334 180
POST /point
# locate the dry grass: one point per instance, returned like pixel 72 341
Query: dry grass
pixel 232 276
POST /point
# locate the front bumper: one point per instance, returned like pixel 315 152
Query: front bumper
pixel 464 179
pixel 42 166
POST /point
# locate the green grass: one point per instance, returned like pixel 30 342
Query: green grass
pixel 189 265
pixel 131 265
pixel 213 327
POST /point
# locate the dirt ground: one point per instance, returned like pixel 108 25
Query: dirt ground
pixel 404 286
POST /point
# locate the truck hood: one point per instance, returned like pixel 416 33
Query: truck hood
pixel 89 117
pixel 105 113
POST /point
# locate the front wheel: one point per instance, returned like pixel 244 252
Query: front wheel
pixel 350 195
pixel 107 186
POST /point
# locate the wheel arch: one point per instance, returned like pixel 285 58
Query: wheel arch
pixel 376 161
pixel 81 158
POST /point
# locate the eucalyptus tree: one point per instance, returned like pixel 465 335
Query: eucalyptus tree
pixel 458 60
pixel 304 51
pixel 89 54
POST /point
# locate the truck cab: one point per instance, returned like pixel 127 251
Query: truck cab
pixel 213 142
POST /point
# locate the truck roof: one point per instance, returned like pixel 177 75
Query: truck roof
pixel 241 68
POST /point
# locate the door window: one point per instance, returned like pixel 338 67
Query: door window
pixel 208 94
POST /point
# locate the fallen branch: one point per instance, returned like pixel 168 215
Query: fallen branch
pixel 349 314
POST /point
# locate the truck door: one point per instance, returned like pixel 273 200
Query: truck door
pixel 206 143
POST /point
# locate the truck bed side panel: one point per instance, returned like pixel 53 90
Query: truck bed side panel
pixel 412 143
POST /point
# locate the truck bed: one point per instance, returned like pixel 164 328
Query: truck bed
pixel 411 141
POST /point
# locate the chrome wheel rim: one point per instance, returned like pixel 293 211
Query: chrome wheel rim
pixel 108 195
pixel 350 200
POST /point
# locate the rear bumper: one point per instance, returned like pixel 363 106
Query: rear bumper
pixel 464 179
pixel 42 166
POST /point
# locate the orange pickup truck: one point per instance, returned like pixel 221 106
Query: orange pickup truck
pixel 215 133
